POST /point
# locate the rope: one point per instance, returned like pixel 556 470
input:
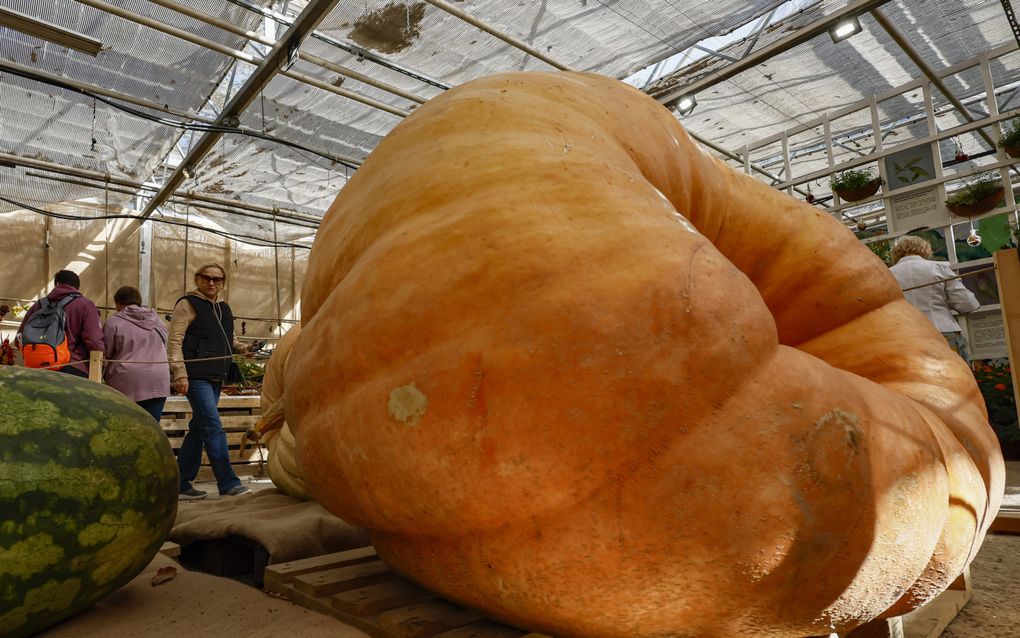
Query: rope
pixel 942 281
pixel 104 360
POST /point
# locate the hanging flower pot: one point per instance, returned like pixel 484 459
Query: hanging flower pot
pixel 1010 140
pixel 854 185
pixel 975 199
pixel 862 192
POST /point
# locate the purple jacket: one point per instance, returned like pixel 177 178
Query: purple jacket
pixel 83 330
pixel 135 333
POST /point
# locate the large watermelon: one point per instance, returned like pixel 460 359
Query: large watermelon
pixel 88 493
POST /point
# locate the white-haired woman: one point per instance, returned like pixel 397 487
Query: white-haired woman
pixel 913 267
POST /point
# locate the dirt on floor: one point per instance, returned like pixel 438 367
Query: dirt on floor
pixel 994 612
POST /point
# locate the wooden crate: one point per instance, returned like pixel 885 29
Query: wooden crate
pixel 238 414
pixel 360 590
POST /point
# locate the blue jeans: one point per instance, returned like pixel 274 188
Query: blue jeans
pixel 205 429
pixel 154 407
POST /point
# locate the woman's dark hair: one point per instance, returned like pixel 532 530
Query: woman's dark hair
pixel 127 296
pixel 68 278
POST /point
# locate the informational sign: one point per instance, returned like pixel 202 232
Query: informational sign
pixel 986 334
pixel 916 209
pixel 922 207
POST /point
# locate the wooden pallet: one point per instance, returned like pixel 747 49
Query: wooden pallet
pixel 1007 521
pixel 360 590
pixel 237 413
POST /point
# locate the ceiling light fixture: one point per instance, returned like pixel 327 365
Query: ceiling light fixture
pixel 845 29
pixel 48 31
pixel 685 104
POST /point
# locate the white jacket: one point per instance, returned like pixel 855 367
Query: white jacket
pixel 934 301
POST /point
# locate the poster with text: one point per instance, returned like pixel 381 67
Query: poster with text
pixel 986 335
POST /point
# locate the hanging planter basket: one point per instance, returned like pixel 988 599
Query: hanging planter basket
pixel 1013 150
pixel 983 205
pixel 857 194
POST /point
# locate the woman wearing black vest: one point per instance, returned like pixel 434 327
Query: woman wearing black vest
pixel 203 328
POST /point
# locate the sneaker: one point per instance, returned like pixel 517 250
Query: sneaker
pixel 191 494
pixel 237 490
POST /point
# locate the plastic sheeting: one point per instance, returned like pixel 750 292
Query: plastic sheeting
pixel 45 122
pixel 821 76
pixel 613 37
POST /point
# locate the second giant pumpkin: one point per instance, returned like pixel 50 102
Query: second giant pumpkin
pixel 574 372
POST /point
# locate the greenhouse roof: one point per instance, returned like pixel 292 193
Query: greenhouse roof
pixel 178 92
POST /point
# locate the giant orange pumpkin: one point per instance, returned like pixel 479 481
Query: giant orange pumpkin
pixel 574 372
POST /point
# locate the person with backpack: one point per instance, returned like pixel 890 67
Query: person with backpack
pixel 135 338
pixel 61 327
pixel 199 349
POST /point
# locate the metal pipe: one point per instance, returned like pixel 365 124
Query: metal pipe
pixel 55 80
pixel 314 59
pixel 325 86
pixel 170 30
pixel 281 54
pixel 799 37
pixel 361 52
pixel 43 76
pixel 204 42
pixel 176 198
pixel 103 177
pixel 484 26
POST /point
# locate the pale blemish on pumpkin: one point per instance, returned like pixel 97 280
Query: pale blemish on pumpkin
pixel 407 404
pixel 850 423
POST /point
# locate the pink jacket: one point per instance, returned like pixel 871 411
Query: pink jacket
pixel 83 330
pixel 135 333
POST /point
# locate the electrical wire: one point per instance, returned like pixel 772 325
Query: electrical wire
pixel 244 239
pixel 217 128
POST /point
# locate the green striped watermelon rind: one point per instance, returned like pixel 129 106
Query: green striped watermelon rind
pixel 88 494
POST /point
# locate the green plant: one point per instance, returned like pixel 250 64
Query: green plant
pixel 974 192
pixel 908 173
pixel 251 371
pixel 1010 133
pixel 852 179
pixel 883 250
pixel 994 378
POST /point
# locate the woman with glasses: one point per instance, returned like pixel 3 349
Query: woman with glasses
pixel 199 347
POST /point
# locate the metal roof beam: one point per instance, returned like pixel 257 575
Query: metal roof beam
pixel 73 85
pixel 314 59
pixel 757 33
pixel 928 72
pixel 718 54
pixel 361 52
pixel 17 160
pixel 282 53
pixel 235 53
pixel 799 37
pixel 493 31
